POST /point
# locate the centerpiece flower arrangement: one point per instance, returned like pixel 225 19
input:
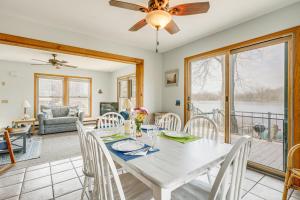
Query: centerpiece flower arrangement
pixel 140 115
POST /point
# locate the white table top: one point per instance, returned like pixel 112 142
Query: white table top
pixel 176 163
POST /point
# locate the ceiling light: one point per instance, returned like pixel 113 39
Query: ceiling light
pixel 158 19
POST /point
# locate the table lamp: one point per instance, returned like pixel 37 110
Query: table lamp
pixel 26 105
pixel 127 105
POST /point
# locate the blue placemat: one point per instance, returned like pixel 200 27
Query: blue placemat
pixel 121 154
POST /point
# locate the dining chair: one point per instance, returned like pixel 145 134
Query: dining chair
pixel 202 126
pixel 170 122
pixel 107 183
pixel 87 165
pixel 111 120
pixel 229 180
pixel 292 173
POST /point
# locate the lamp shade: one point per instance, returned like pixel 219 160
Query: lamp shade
pixel 158 18
pixel 26 104
pixel 127 104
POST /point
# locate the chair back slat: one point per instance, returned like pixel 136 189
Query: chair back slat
pixel 228 183
pixel 111 120
pixel 170 122
pixel 202 126
pixel 106 176
pixel 87 165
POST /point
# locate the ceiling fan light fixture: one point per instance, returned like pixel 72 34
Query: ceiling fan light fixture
pixel 158 19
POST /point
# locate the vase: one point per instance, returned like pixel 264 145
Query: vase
pixel 138 132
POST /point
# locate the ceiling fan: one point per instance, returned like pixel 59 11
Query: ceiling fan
pixel 55 63
pixel 159 14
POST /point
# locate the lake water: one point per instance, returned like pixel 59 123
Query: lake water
pixel 273 107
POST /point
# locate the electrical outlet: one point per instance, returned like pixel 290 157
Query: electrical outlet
pixel 3 83
pixel 4 101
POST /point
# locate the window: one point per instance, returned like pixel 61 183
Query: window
pixel 59 90
pixel 79 94
pixel 50 91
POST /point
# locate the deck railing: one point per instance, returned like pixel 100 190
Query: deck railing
pixel 261 125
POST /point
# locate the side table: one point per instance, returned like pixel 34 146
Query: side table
pixel 30 121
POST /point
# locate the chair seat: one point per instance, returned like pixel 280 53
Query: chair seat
pixel 194 190
pixel 134 189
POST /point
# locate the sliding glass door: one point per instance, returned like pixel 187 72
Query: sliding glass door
pixel 258 101
pixel 246 92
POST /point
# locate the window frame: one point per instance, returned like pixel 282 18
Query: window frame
pixel 65 89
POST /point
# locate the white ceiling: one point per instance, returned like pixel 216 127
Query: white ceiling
pixel 25 55
pixel 97 18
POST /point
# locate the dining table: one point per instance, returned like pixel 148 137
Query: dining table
pixel 175 164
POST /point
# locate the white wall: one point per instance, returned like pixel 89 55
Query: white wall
pixel 152 61
pixel 122 72
pixel 276 21
pixel 19 85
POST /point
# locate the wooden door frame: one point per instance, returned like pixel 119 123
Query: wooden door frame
pixel 78 51
pixel 294 82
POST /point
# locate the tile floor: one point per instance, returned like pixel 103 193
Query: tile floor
pixel 63 179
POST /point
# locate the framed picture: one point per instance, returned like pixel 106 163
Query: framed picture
pixel 171 77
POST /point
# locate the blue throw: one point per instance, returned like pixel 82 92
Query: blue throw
pixel 121 154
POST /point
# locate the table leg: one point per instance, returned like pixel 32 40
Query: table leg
pixel 33 128
pixel 9 147
pixel 24 143
pixel 161 193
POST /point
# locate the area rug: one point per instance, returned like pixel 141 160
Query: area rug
pixel 33 151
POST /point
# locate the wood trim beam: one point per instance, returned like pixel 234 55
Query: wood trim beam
pixel 139 84
pixel 283 33
pixel 296 108
pixel 61 48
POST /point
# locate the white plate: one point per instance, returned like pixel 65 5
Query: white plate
pixel 148 127
pixel 176 134
pixel 127 145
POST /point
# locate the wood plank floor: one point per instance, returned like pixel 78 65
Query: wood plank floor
pixel 266 153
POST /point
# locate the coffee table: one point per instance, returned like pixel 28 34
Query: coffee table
pixel 16 135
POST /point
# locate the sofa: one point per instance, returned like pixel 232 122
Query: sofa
pixel 60 122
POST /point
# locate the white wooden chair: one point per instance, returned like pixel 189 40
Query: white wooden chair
pixel 111 120
pixel 107 183
pixel 170 122
pixel 228 183
pixel 203 127
pixel 87 166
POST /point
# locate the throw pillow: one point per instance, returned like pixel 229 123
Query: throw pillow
pixel 47 113
pixel 73 112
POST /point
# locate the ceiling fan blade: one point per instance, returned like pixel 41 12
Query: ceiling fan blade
pixel 190 8
pixel 129 6
pixel 138 25
pixel 70 66
pixel 42 64
pixel 40 60
pixel 172 27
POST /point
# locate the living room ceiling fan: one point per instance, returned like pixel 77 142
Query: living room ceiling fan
pixel 55 63
pixel 159 14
